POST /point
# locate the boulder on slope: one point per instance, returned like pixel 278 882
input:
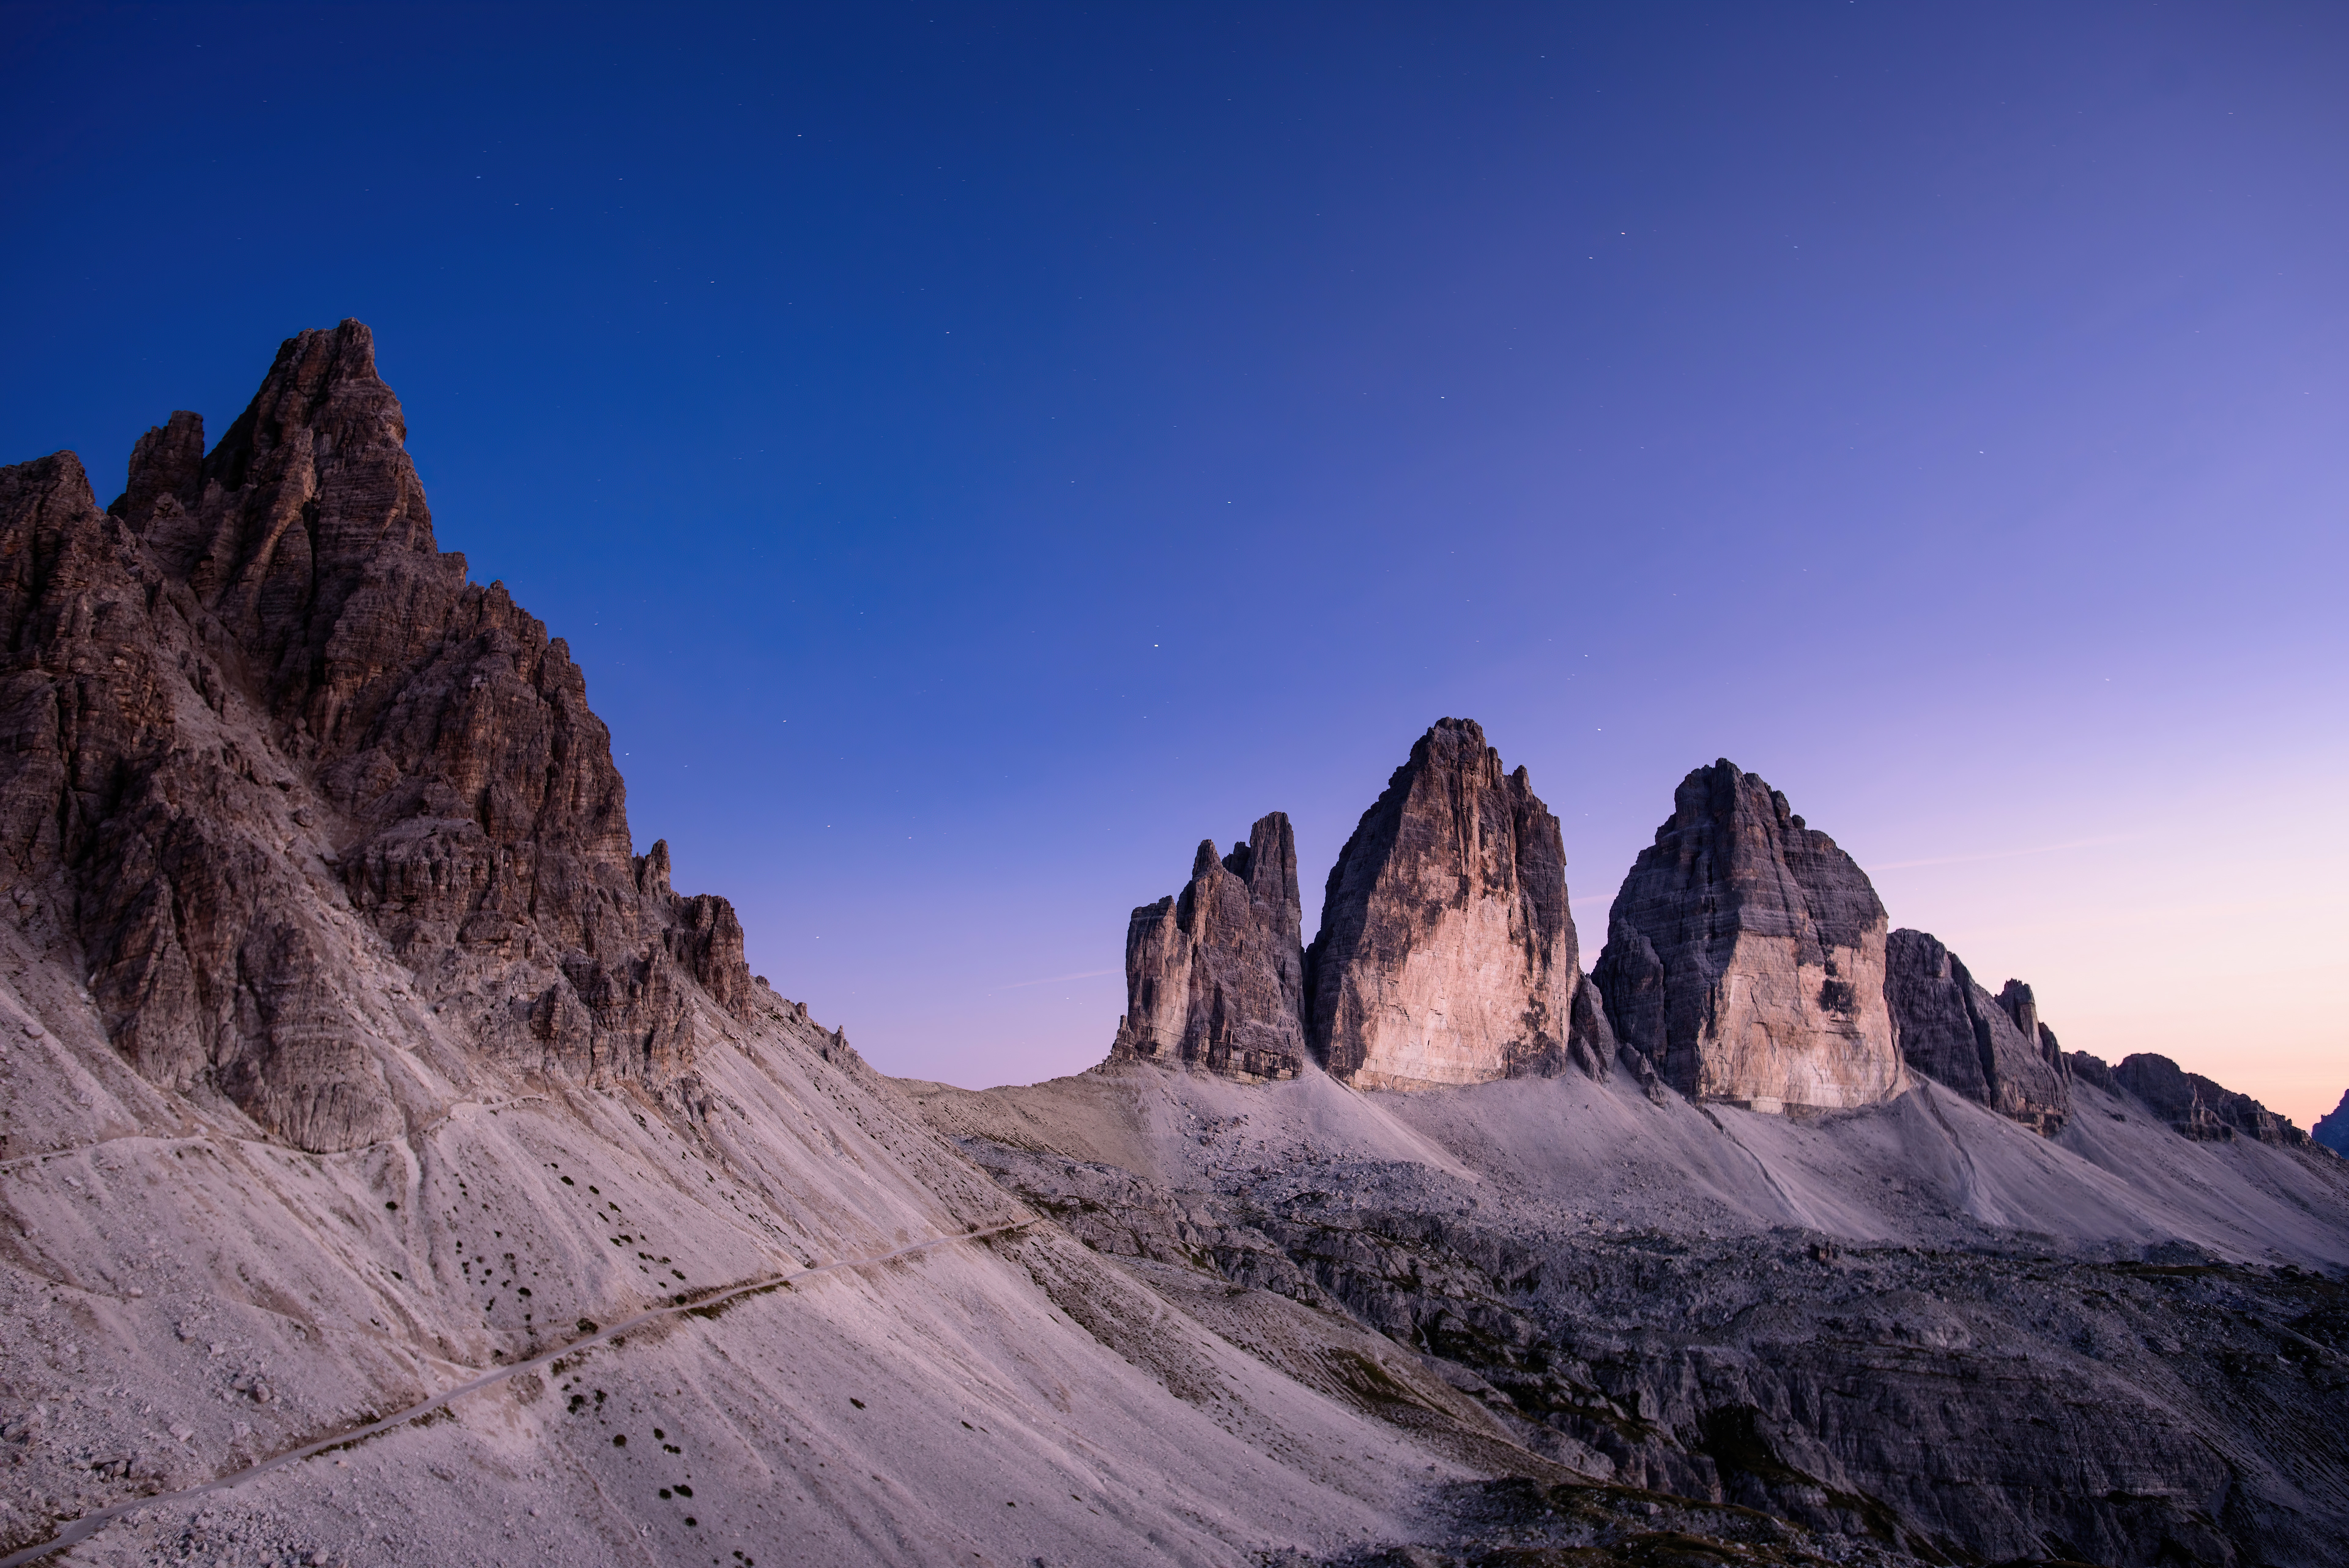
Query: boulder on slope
pixel 1214 975
pixel 1745 955
pixel 1986 1047
pixel 1446 953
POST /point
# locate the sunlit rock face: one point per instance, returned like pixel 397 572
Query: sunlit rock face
pixel 1446 954
pixel 1214 975
pixel 1989 1048
pixel 1745 955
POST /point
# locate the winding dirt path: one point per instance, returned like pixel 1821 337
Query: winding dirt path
pixel 89 1524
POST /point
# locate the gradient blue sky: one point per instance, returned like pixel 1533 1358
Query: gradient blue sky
pixel 977 452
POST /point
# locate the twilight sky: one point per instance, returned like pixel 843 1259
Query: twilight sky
pixel 977 452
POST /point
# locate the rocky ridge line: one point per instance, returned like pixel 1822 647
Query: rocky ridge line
pixel 2197 1107
pixel 254 679
pixel 1992 1049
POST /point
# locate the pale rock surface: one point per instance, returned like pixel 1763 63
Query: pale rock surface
pixel 1986 1047
pixel 1745 955
pixel 1447 952
pixel 1214 975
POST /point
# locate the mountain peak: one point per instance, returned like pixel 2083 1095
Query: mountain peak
pixel 1745 954
pixel 319 726
pixel 1447 952
pixel 1214 975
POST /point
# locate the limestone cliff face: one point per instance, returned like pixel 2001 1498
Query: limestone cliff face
pixel 256 680
pixel 1446 953
pixel 1745 955
pixel 1986 1047
pixel 1214 975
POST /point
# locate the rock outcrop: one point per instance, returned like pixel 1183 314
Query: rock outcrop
pixel 327 842
pixel 256 680
pixel 1745 955
pixel 1898 1327
pixel 2195 1106
pixel 1989 1048
pixel 1446 953
pixel 2331 1129
pixel 1214 975
pixel 2017 1001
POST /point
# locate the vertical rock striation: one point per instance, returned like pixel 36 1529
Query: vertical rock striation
pixel 1214 975
pixel 1446 953
pixel 1989 1048
pixel 257 678
pixel 1745 955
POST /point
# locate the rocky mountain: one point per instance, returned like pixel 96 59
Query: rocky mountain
pixel 1745 955
pixel 1446 953
pixel 2193 1105
pixel 1917 1324
pixel 260 722
pixel 1987 1049
pixel 1214 975
pixel 2331 1129
pixel 396 1170
pixel 367 1100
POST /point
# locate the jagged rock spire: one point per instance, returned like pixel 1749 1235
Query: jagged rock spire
pixel 1987 1049
pixel 255 704
pixel 1214 975
pixel 1446 953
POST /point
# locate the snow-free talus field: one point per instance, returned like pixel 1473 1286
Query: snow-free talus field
pixel 1919 1321
pixel 193 1298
